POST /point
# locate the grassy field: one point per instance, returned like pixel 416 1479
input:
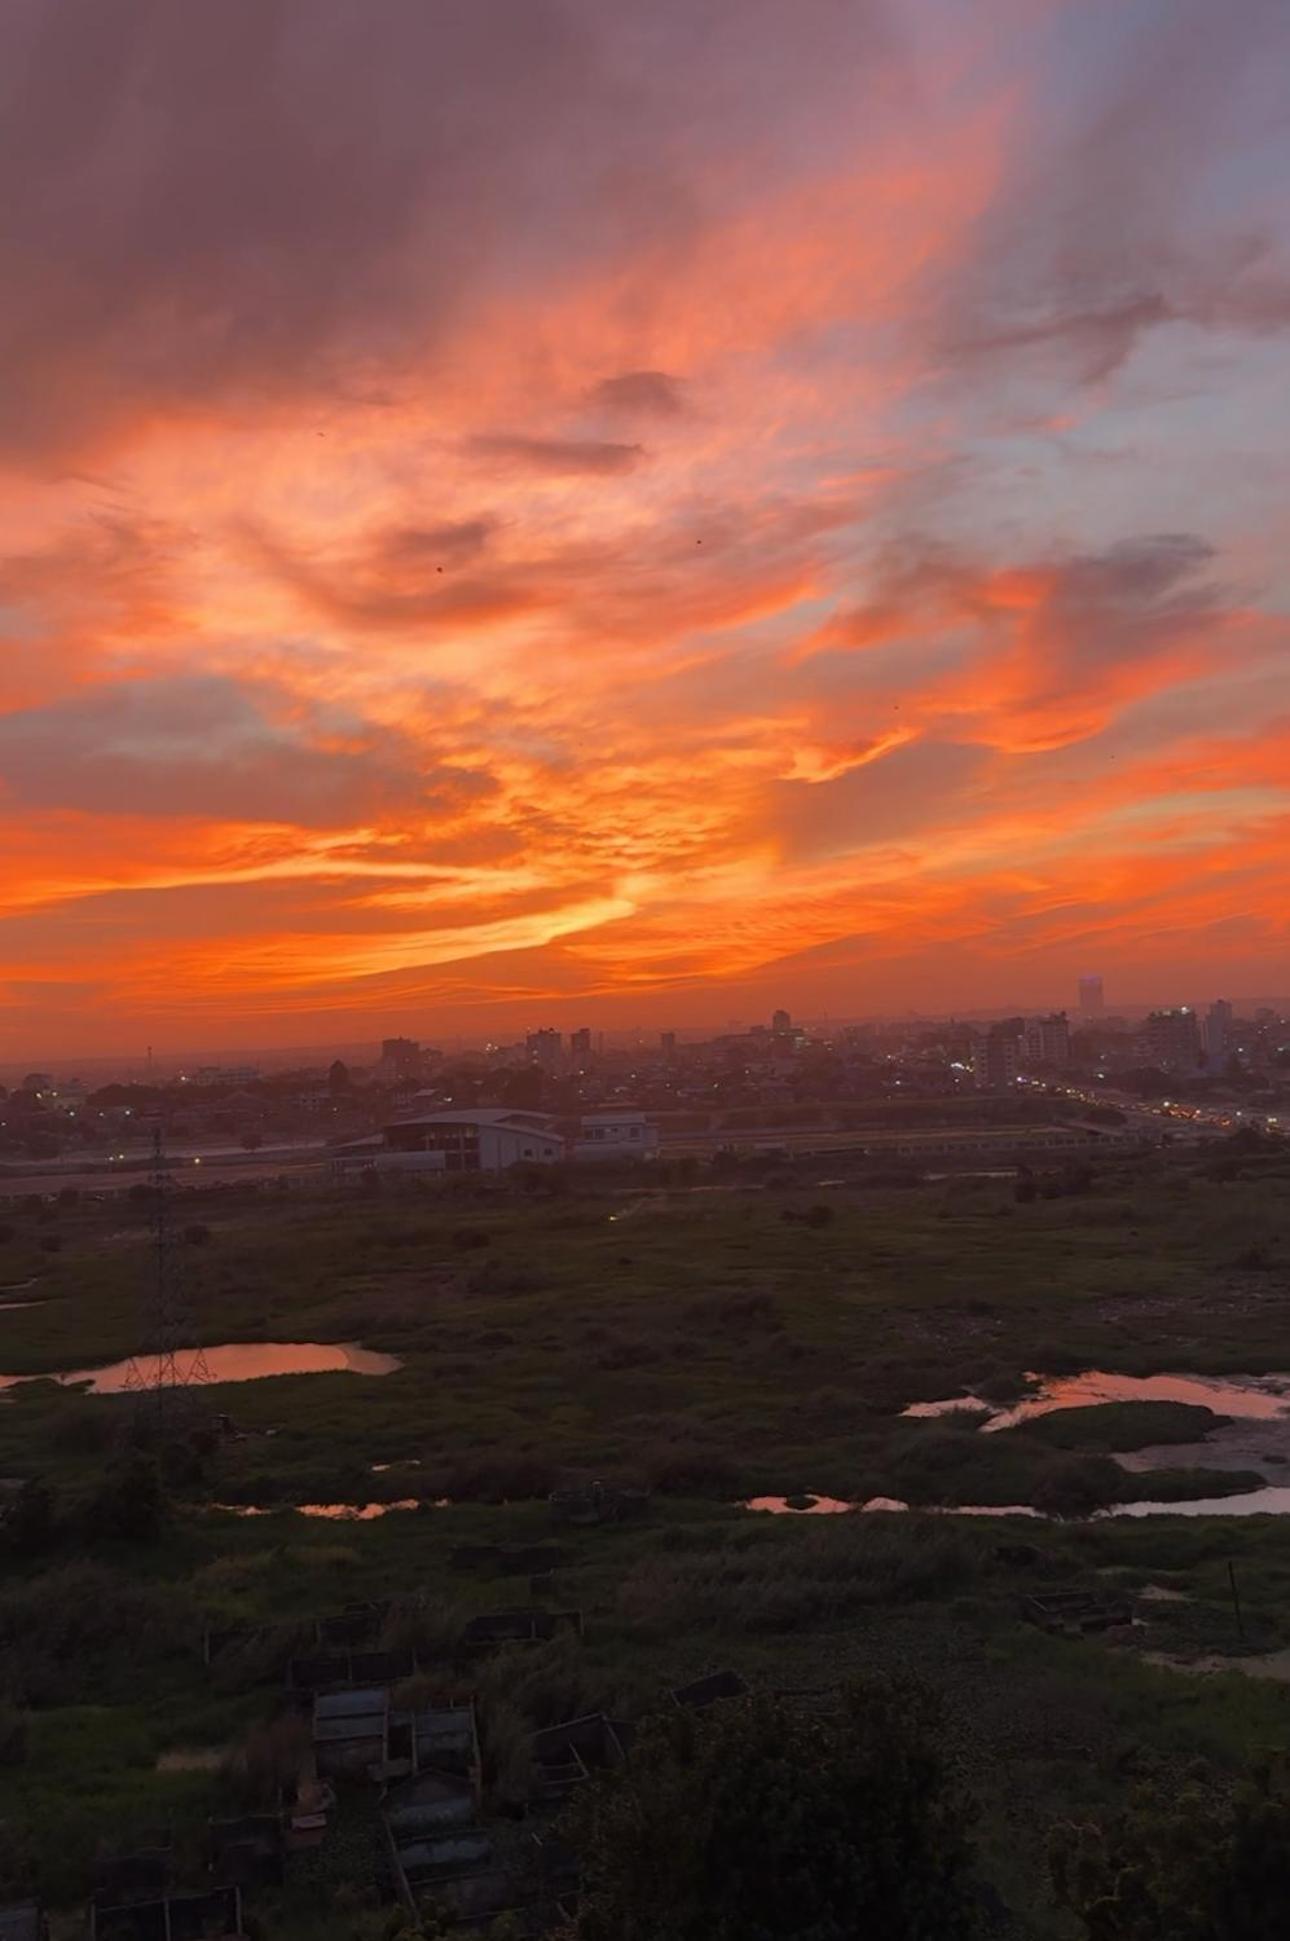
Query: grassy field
pixel 708 1345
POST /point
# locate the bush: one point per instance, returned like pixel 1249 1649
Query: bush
pixel 1211 1864
pixel 130 1504
pixel 755 1820
pixel 67 1634
pixel 1078 1485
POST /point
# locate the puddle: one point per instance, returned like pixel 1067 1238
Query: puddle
pixel 1258 1502
pixel 875 1505
pixel 1264 1397
pixel 1263 1502
pixel 334 1512
pixel 803 1505
pixel 234 1361
pixel 356 1512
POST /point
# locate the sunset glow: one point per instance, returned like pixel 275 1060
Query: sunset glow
pixel 603 512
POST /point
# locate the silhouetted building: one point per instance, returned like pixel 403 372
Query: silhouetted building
pixel 546 1049
pixel 400 1058
pixel 1173 1039
pixel 781 1024
pixel 1048 1040
pixel 1092 998
pixel 1218 1034
pixel 996 1057
pixel 580 1048
pixel 667 1044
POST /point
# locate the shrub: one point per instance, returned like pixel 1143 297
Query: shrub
pixel 756 1819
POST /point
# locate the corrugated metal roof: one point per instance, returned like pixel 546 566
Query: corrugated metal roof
pixel 335 1705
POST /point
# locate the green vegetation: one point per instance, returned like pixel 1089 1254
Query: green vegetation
pixel 1210 1865
pixel 761 1820
pixel 694 1343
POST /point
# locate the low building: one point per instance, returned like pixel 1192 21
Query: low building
pixel 615 1135
pixel 480 1139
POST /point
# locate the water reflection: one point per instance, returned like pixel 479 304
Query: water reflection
pixel 232 1361
pixel 799 1505
pixel 1264 1397
pixel 830 1506
pixel 1258 1502
pixel 334 1512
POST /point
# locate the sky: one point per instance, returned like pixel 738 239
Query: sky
pixel 525 511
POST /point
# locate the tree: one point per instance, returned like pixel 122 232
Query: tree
pixel 753 1822
pixel 130 1502
pixel 1211 1863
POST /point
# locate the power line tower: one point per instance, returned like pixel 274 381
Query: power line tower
pixel 167 1366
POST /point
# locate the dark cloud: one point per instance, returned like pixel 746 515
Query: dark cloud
pixel 252 199
pixel 204 746
pixel 558 456
pixel 640 394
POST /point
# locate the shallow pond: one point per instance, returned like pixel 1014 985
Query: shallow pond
pixel 334 1512
pixel 232 1361
pixel 1264 1397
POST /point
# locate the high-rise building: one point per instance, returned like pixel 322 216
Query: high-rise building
pixel 1048 1040
pixel 545 1048
pixel 1218 1034
pixel 1173 1039
pixel 401 1058
pixel 781 1024
pixel 580 1047
pixel 996 1057
pixel 667 1043
pixel 1092 998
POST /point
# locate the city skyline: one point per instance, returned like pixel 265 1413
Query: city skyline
pixel 568 508
pixel 573 1025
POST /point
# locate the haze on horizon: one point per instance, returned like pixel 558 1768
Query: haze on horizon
pixel 566 504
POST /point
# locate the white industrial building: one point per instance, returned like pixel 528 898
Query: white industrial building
pixel 482 1139
pixel 488 1139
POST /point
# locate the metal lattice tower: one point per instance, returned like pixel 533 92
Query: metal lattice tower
pixel 167 1366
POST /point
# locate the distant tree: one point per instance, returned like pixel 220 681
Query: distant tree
pixel 130 1503
pixel 1211 1863
pixel 755 1821
pixel 339 1082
